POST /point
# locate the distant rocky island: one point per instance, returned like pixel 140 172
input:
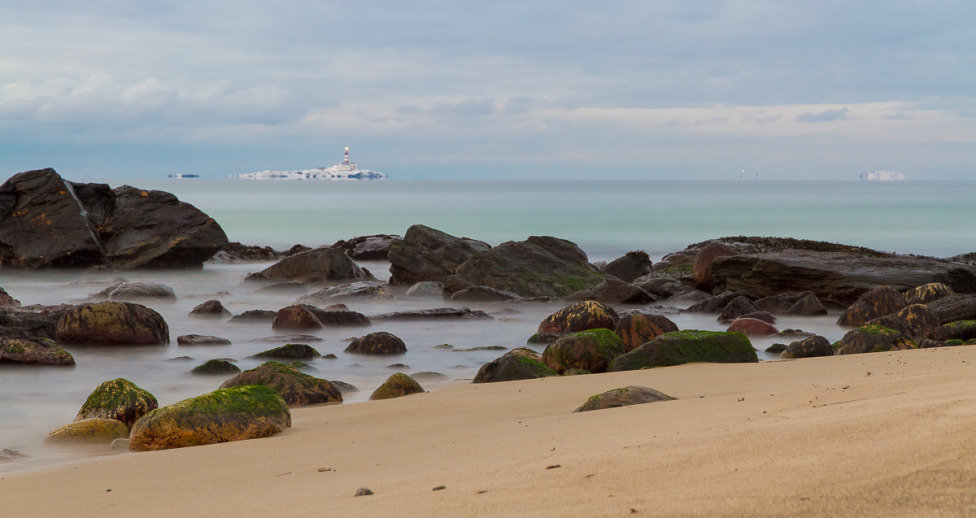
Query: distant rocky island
pixel 882 176
pixel 345 171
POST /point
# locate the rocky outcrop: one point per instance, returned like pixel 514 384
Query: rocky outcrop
pixel 702 266
pixel 590 350
pixel 518 364
pixel 96 430
pixel 235 252
pixel 297 388
pixel 380 342
pixel 112 323
pixel 233 414
pixel 637 329
pixel 959 330
pixel 26 351
pixel 688 346
pixel 367 248
pixel 579 317
pixel 397 385
pixel 626 396
pixel 427 254
pixel 954 308
pixel 928 293
pixel 836 278
pixel 537 267
pixel 118 399
pixel 809 347
pixel 316 265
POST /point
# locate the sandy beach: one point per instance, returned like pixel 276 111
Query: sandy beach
pixel 884 434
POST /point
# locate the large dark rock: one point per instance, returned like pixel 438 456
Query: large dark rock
pixel 518 364
pixel 316 265
pixel 380 342
pixel 626 396
pixel 118 399
pixel 25 351
pixel 135 292
pixel 637 329
pixel 874 303
pixel 33 322
pixel 916 321
pixel 296 317
pixel 579 317
pixel 630 266
pixel 367 248
pixel 590 350
pixel 872 339
pixel 232 414
pixel 397 385
pixel 803 303
pixel 613 291
pixel 752 327
pixel 809 347
pixel 703 263
pixel 210 309
pixel 427 254
pixel 836 278
pixel 737 307
pixel 688 346
pixel 954 308
pixel 434 314
pixel 928 293
pixel 112 323
pixel 959 330
pixel 290 352
pixel 297 388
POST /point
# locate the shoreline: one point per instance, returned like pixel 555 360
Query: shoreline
pixel 803 437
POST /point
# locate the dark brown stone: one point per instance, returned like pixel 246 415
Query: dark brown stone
pixel 380 342
pixel 637 329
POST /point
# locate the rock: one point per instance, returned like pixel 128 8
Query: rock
pixel 959 330
pixel 580 317
pixel 234 252
pixel 717 303
pixel 537 267
pixel 779 349
pixel 836 278
pixel 6 301
pixel 118 399
pixel 288 338
pixel 737 307
pixel 367 248
pixel 792 303
pixel 703 263
pixel 345 388
pixel 518 364
pixel 630 266
pixel 295 318
pixel 339 316
pixel 201 340
pixel 112 323
pixel 591 350
pixel 297 388
pixel 809 347
pixel 289 352
pixel 42 351
pixel 872 339
pixel 689 298
pixel 429 376
pixel 119 445
pixel 363 491
pixel 954 308
pixel 613 291
pixel 7 455
pixel 431 289
pixel 928 293
pixel 316 265
pixel 663 287
pixel 688 346
pixel 752 327
pixel 380 342
pixel 761 315
pixel 427 254
pixel 210 309
pixel 630 395
pixel 215 366
pixel 434 314
pixel 96 430
pixel 367 290
pixel 232 414
pixel 874 303
pixel 916 321
pixel 397 385
pixel 482 294
pixel 254 316
pixel 637 329
pixel 135 292
pixel 542 339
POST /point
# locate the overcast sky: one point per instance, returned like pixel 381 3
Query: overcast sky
pixel 471 89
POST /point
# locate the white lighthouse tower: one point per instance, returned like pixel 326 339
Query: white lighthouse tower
pixel 346 160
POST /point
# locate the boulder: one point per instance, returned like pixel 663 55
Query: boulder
pixel 316 265
pixel 296 387
pixel 296 317
pixel 289 352
pixel 254 316
pixel 928 293
pixel 364 290
pixel 959 330
pixel 224 415
pixel 367 248
pixel 836 278
pixel 688 346
pixel 590 350
pixel 210 309
pixel 874 303
pixel 427 254
pixel 483 294
pixel 752 327
pixel 397 385
pixel 235 252
pixel 872 339
pixel 737 307
pixel 537 267
pixel 112 323
pixel 717 303
pixel 810 347
pixel 215 366
pixel 702 266
pixel 338 315
pixel 430 289
pixel 201 340
pixel 803 303
pixel 518 364
pixel 96 430
pixel 118 399
pixel 42 351
pixel 380 342
pixel 663 287
pixel 954 308
pixel 135 292
pixel 579 317
pixel 6 301
pixel 613 291
pixel 637 329
pixel 434 314
pixel 630 266
pixel 916 321
pixel 626 396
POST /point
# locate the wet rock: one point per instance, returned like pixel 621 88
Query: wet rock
pixel 637 329
pixel 254 316
pixel 590 350
pixel 872 338
pixel 112 323
pixel 429 376
pixel 289 352
pixel 88 431
pixel 703 263
pixel 630 266
pixel 215 366
pixel 42 351
pixel 483 294
pixel 366 290
pixel 662 287
pixel 367 248
pixel 793 303
pixel 717 303
pixel 434 314
pixel 296 387
pixel 626 396
pixel 613 291
pixel 295 318
pixel 201 340
pixel 752 327
pixel 427 254
pixel 118 399
pixel 316 265
pixel 431 289
pixel 232 414
pixel 928 293
pixel 580 317
pixel 518 364
pixel 397 385
pixel 779 348
pixel 874 303
pixel 345 388
pixel 135 292
pixel 954 308
pixel 688 346
pixel 380 342
pixel 809 347
pixel 960 330
pixel 210 309
pixel 235 252
pixel 916 321
pixel 737 307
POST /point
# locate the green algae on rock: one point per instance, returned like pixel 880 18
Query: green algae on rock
pixel 688 346
pixel 41 351
pixel 96 430
pixel 590 350
pixel 112 323
pixel 397 385
pixel 296 387
pixel 518 364
pixel 118 399
pixel 872 339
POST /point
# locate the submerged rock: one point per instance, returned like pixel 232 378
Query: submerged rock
pixel 96 430
pixel 112 323
pixel 289 352
pixel 215 366
pixel 380 342
pixel 210 309
pixel 316 265
pixel 135 291
pixel 296 387
pixel 201 340
pixel 42 351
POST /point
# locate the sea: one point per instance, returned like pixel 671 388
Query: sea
pixel 606 218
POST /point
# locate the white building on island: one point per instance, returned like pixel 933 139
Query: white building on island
pixel 345 171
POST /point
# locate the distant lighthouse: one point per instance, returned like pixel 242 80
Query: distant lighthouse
pixel 345 161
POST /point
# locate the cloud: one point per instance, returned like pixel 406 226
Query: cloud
pixel 824 116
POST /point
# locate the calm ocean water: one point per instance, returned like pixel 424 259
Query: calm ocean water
pixel 605 218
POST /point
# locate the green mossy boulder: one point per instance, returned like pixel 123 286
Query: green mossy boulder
pixel 26 351
pixel 590 350
pixel 580 316
pixel 397 385
pixel 688 346
pixel 296 387
pixel 873 339
pixel 518 364
pixel 97 430
pixel 224 415
pixel 118 399
pixel 961 330
pixel 874 303
pixel 215 366
pixel 112 323
pixel 916 321
pixel 637 329
pixel 626 396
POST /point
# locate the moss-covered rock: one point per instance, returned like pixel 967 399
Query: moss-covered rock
pixel 961 330
pixel 118 399
pixel 397 385
pixel 518 364
pixel 215 366
pixel 590 350
pixel 916 321
pixel 688 346
pixel 112 323
pixel 224 415
pixel 96 430
pixel 379 342
pixel 289 352
pixel 637 329
pixel 34 352
pixel 810 347
pixel 872 339
pixel 296 387
pixel 580 317
pixel 626 396
pixel 874 303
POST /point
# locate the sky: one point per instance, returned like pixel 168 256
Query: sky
pixel 425 89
